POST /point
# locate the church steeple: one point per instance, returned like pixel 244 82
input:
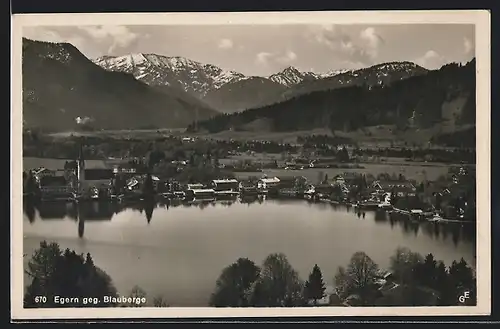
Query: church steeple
pixel 80 165
pixel 80 153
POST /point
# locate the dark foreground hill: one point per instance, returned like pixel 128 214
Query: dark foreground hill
pixel 61 85
pixel 444 97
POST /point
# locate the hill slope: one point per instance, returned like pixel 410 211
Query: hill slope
pixel 245 94
pixel 60 84
pixel 444 97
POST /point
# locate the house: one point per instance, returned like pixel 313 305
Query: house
pixel 195 186
pixel 400 294
pixel 42 172
pixel 324 188
pixel 200 193
pixel 402 188
pixel 96 177
pixel 89 179
pixel 225 185
pixel 135 183
pixel 339 179
pixel 132 184
pixel 248 187
pixel 265 183
pixel 55 187
pixel 292 182
pixel 346 181
pixel 125 168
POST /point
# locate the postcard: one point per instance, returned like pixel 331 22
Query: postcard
pixel 263 164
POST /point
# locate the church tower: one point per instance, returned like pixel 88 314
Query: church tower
pixel 80 167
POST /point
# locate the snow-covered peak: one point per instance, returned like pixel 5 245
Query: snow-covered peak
pixel 192 76
pixel 291 76
pixel 333 73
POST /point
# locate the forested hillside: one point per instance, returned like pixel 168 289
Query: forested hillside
pixel 445 97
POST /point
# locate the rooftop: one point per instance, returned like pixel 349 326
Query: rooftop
pixel 53 181
pixel 98 174
pixel 219 181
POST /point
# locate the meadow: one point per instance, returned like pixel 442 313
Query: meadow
pixel 54 164
pixel 416 172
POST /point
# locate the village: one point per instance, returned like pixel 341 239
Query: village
pixel 450 198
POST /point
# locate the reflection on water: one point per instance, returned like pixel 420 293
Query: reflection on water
pixel 189 243
pixel 104 211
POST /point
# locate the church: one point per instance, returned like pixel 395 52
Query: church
pixel 88 179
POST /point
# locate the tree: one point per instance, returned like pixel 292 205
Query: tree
pixel 67 275
pixel 426 272
pixel 278 284
pixel 314 288
pixel 119 184
pixel 148 188
pixel 138 293
pixel 394 197
pixel 149 206
pixel 444 286
pixel 357 278
pixel 30 184
pixel 403 265
pixel 337 192
pixel 320 177
pixel 159 301
pixel 233 284
pixel 155 157
pixel 461 276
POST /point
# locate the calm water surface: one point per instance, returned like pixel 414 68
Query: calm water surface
pixel 179 250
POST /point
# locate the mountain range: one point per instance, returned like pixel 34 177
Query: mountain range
pixel 62 88
pixel 442 99
pixel 230 91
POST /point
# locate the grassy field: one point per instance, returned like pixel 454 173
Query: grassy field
pixel 119 134
pixel 53 164
pixel 375 136
pixel 417 172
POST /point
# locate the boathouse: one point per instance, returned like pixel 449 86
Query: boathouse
pixel 231 185
pixel 266 183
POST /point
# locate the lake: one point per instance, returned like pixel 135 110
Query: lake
pixel 179 250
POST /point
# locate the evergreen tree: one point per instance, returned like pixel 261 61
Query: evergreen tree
pixel 148 188
pixel 314 288
pixel 462 277
pixel 394 197
pixel 31 185
pixel 65 274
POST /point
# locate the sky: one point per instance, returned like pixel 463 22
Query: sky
pixel 266 49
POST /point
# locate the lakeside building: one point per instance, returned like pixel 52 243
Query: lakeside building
pixel 55 188
pixel 401 188
pixel 88 180
pixel 231 185
pixel 267 183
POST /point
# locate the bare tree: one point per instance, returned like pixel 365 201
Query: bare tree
pixel 357 278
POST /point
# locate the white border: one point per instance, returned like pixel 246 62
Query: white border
pixel 481 20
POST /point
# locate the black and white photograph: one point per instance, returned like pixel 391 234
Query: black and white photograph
pixel 219 164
